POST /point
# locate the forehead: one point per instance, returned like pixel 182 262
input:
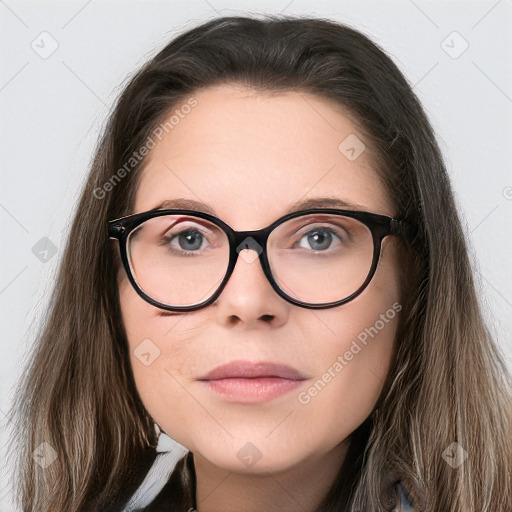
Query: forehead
pixel 250 155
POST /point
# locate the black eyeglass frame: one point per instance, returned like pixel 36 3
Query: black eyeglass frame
pixel 380 226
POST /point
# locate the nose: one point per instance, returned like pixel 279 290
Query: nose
pixel 248 298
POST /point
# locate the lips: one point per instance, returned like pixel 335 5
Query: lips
pixel 249 370
pixel 244 382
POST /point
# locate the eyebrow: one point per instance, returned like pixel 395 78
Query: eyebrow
pixel 314 202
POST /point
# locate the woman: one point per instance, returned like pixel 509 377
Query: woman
pixel 267 266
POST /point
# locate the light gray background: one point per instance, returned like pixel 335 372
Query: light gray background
pixel 53 109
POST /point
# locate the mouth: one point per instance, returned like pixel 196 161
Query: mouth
pixel 247 382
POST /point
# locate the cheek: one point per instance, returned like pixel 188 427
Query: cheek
pixel 354 353
pixel 158 365
pixel 352 368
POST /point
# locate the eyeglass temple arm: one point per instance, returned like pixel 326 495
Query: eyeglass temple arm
pixel 402 228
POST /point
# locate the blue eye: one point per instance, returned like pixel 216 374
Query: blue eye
pixel 319 239
pixel 187 237
pixel 189 240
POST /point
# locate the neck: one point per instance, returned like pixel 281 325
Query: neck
pixel 302 487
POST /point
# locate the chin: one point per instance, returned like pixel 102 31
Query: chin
pixel 259 456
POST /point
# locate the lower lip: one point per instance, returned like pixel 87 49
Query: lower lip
pixel 256 390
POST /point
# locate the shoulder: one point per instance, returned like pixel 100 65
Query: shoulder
pixel 132 479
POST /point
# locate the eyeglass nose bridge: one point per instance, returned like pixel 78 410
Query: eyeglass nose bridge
pixel 255 240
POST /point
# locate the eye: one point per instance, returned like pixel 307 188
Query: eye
pixel 188 240
pixel 318 239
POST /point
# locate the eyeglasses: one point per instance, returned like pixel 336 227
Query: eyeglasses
pixel 180 260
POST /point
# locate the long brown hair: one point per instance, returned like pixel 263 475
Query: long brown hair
pixel 448 382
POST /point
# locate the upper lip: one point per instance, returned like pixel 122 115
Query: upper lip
pixel 251 370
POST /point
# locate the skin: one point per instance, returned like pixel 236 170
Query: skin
pixel 250 155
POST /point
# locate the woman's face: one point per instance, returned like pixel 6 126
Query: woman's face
pixel 250 156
